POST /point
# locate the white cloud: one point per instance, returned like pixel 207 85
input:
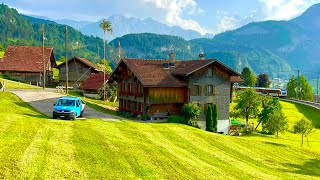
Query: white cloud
pixel 285 9
pixel 227 23
pixel 173 11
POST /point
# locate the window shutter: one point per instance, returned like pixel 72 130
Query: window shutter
pixel 214 90
pixel 207 90
pixel 192 90
pixel 200 90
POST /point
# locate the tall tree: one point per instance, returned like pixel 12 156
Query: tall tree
pixel 248 76
pixel 270 105
pixel 292 88
pixel 303 90
pixel 106 27
pixel 105 66
pixel 276 123
pixel 248 103
pixel 303 127
pixel 263 81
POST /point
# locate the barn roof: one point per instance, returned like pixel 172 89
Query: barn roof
pixel 83 61
pixel 94 82
pixel 26 59
pixel 152 73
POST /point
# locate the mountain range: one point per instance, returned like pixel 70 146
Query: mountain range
pixel 274 47
pixel 122 25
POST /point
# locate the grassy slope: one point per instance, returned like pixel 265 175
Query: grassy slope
pixel 16 85
pixel 32 146
pixel 1 54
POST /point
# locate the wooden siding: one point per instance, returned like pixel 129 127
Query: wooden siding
pixel 167 95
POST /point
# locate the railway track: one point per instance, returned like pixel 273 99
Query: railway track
pixel 308 103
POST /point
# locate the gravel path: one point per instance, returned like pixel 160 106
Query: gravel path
pixel 43 101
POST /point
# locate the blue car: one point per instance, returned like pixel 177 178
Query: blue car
pixel 68 108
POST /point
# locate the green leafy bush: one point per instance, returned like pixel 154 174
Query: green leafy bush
pixel 177 119
pixel 190 111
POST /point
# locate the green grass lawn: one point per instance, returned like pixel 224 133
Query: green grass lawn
pixel 16 85
pixel 34 147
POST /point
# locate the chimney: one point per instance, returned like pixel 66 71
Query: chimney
pixel 201 56
pixel 171 59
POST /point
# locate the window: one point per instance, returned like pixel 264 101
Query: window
pixel 196 90
pixel 209 72
pixel 210 90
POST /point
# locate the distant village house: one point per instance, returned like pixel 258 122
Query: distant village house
pixel 24 63
pixel 153 86
pixel 79 70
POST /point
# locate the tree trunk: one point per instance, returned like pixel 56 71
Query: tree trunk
pixel 115 99
pixel 258 125
pixel 247 120
pixel 302 140
pixel 308 141
pixel 277 134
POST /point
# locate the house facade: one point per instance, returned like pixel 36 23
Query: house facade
pixel 151 86
pixel 79 70
pixel 24 63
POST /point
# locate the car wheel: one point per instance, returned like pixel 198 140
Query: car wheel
pixel 54 116
pixel 81 114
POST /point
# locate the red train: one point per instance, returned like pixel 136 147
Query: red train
pixel 266 91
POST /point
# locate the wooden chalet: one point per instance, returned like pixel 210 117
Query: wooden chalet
pixel 155 86
pixel 79 70
pixel 24 63
pixel 93 84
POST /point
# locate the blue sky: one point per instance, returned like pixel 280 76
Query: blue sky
pixel 205 16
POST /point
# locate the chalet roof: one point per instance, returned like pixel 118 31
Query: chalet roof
pixel 26 59
pixel 151 73
pixel 94 82
pixel 236 79
pixel 83 61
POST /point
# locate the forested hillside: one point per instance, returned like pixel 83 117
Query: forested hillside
pixel 17 29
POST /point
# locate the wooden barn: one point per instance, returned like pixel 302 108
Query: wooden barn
pixel 91 86
pixel 155 86
pixel 79 70
pixel 24 63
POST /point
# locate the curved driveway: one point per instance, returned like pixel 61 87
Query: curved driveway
pixel 43 101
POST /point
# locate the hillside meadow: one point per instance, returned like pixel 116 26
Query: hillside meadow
pixel 35 147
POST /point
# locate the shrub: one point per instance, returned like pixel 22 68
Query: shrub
pixel 176 119
pixel 190 111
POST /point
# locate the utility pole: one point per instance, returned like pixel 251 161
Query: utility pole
pixel 67 68
pixel 43 61
pixel 298 91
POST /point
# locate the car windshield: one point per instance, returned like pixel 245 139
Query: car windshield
pixel 66 102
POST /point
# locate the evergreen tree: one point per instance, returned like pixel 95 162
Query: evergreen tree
pixel 215 118
pixel 209 119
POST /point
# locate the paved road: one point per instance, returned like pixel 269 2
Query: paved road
pixel 43 101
